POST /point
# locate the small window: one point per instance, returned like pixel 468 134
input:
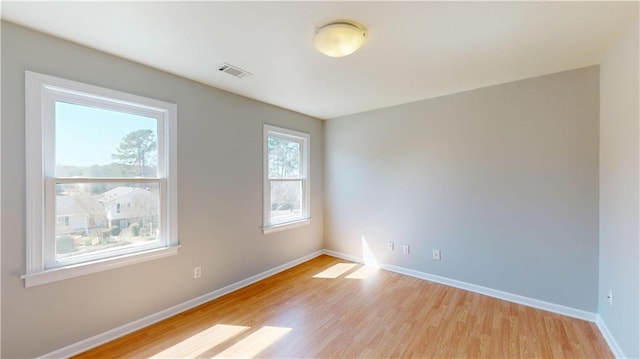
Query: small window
pixel 88 150
pixel 286 178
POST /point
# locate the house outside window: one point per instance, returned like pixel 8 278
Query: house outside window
pixel 286 178
pixel 89 150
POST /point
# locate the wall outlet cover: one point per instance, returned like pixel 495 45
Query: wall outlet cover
pixel 436 255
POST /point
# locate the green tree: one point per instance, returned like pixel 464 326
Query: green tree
pixel 284 158
pixel 136 150
pixel 284 162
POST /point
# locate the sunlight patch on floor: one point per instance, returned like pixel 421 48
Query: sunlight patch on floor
pixel 201 342
pixel 255 343
pixel 336 270
pixel 363 272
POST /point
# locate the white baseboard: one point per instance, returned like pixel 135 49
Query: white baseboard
pixel 510 297
pixel 115 333
pixel 346 257
pixel 608 337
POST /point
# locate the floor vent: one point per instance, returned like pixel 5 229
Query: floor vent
pixel 233 70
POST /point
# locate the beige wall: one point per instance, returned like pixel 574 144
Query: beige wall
pixel 503 180
pixel 620 191
pixel 219 204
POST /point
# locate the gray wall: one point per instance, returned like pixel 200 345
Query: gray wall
pixel 220 199
pixel 503 180
pixel 619 192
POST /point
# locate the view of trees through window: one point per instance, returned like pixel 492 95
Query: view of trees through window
pixel 135 153
pixel 95 217
pixel 285 170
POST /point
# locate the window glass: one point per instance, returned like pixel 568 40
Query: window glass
pixel 284 158
pixel 96 142
pixel 95 220
pixel 286 201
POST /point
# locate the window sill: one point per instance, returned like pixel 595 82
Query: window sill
pixel 285 226
pixel 77 270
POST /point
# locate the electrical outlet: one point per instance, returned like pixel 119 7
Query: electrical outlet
pixel 436 255
pixel 405 249
pixel 610 297
pixel 390 245
pixel 197 272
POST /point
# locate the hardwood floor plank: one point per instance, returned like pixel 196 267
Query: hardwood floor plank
pixel 352 311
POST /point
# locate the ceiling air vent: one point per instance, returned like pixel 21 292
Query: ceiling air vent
pixel 233 70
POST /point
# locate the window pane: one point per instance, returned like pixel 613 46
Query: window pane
pixel 94 142
pixel 97 218
pixel 284 158
pixel 286 201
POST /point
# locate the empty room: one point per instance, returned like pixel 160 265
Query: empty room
pixel 320 179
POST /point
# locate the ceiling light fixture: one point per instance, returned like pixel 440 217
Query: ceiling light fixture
pixel 340 38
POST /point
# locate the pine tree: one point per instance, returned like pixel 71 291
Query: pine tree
pixel 136 150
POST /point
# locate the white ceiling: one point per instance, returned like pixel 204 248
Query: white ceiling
pixel 415 50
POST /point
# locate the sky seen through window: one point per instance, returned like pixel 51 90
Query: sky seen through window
pixel 87 136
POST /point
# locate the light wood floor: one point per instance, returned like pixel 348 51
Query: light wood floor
pixel 330 308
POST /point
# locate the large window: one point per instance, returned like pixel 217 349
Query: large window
pixel 286 178
pixel 101 179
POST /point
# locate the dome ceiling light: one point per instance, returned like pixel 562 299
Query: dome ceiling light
pixel 340 38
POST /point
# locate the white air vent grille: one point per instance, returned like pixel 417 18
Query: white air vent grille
pixel 233 70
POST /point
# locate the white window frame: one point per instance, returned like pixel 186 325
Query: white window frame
pixel 42 92
pixel 304 139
